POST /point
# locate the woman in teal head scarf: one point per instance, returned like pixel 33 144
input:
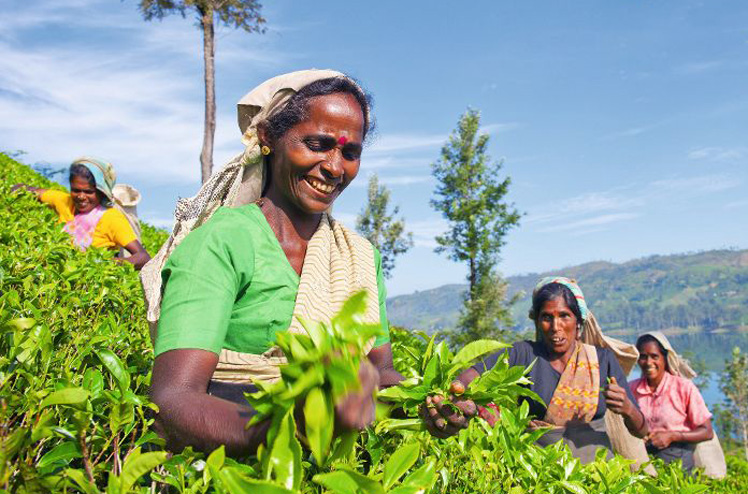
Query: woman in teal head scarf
pixel 90 213
pixel 578 382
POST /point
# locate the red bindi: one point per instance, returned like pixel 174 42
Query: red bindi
pixel 342 140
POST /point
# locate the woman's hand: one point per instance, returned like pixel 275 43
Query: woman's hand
pixel 442 420
pixel 617 400
pixel 662 439
pixel 35 190
pixel 490 413
pixel 357 409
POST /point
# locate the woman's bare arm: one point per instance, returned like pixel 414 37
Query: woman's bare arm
pixel 139 256
pixel 37 191
pixel 189 416
pixel 663 439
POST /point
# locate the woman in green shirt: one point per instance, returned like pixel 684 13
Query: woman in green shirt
pixel 256 268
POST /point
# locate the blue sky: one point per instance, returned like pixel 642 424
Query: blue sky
pixel 623 124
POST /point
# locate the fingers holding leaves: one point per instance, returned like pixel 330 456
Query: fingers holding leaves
pixel 357 409
pixel 444 418
pixel 615 397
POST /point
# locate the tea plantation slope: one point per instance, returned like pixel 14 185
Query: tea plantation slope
pixel 75 360
pixel 75 349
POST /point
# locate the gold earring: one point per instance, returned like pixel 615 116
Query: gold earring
pixel 265 150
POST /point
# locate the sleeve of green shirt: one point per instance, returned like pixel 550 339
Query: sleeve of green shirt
pixel 385 337
pixel 201 280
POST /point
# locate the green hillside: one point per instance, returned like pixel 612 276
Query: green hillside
pixel 701 291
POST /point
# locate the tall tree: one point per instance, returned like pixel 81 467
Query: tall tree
pixel 734 386
pixel 486 313
pixel 471 195
pixel 381 228
pixel 240 14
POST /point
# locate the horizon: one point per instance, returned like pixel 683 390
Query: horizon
pixel 558 271
pixel 622 126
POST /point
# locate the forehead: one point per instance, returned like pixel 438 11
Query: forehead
pixel 81 183
pixel 650 347
pixel 555 304
pixel 334 114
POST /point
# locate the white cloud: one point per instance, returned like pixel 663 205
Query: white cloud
pixel 601 220
pixel 598 209
pixel 698 185
pixel 699 67
pixel 588 203
pixel 387 162
pixel 137 101
pixel 631 132
pixel 499 127
pixel 425 231
pixel 389 143
pixel 719 154
pixel 406 180
pixel 395 181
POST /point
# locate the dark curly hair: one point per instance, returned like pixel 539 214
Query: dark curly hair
pixel 552 291
pixel 296 109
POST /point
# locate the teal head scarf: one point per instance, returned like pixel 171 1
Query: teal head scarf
pixel 571 285
pixel 103 173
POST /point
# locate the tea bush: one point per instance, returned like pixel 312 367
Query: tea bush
pixel 75 361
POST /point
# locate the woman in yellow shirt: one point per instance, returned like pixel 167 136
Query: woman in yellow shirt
pixel 88 212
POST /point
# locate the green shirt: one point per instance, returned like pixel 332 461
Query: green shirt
pixel 229 285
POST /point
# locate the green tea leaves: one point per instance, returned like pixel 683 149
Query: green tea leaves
pixel 319 417
pixel 66 396
pixel 399 463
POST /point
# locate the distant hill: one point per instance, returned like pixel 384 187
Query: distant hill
pixel 702 291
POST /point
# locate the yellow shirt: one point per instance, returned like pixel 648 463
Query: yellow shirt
pixel 112 230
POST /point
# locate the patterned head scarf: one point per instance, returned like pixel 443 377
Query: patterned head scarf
pixel 568 283
pixel 103 173
pixel 269 98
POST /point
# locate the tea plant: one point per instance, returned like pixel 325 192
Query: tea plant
pixel 433 372
pixel 75 362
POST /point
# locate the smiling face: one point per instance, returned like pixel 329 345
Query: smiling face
pixel 85 197
pixel 315 160
pixel 652 362
pixel 558 324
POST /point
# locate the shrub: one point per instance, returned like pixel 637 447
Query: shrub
pixel 75 362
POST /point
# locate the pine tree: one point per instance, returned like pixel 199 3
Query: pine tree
pixel 471 195
pixel 381 228
pixel 240 14
pixel 486 312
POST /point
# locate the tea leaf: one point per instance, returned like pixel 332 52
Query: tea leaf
pixel 399 463
pixel 319 424
pixel 66 396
